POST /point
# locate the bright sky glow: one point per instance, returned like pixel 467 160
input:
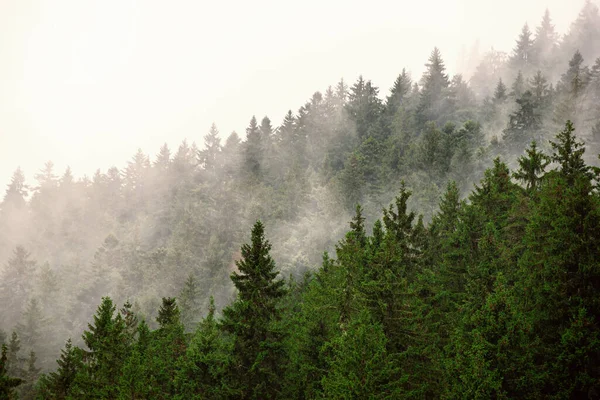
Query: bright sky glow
pixel 85 83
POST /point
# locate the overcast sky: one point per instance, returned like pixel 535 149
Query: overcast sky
pixel 85 83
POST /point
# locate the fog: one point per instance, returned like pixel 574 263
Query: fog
pixel 85 84
pixel 125 93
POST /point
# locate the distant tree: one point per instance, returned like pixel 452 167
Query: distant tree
pixel 209 156
pixel 253 151
pixel 189 300
pixel 518 86
pixel 524 124
pixel 16 283
pixel 500 94
pixel 16 192
pixel 523 57
pixel 163 158
pixel 399 91
pixel 532 167
pixel 541 91
pixel 32 326
pixel 434 83
pixel 545 45
pixel 27 391
pixel 364 107
pixel 56 385
pixel 584 32
pixel 7 383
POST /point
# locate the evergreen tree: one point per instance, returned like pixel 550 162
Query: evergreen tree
pixel 523 57
pixel 545 45
pixel 56 385
pixel 202 371
pixel 16 283
pixel 433 105
pixel 253 151
pixel 524 124
pixel 101 363
pixel 163 158
pixel 518 86
pixel 532 167
pixel 500 94
pixel 7 383
pixel 257 352
pixel 209 156
pixel 189 300
pixel 399 91
pixel 166 346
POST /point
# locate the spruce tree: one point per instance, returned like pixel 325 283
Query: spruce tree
pixel 7 383
pixel 523 57
pixel 202 371
pixel 532 167
pixel 433 105
pixel 56 385
pixel 257 352
pixel 98 376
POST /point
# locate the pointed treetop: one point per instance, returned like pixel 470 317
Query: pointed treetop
pixel 568 153
pixel 532 167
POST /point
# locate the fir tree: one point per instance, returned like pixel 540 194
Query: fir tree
pixel 532 167
pixel 257 353
pixel 7 383
pixel 523 57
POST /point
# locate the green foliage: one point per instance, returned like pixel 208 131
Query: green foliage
pixel 7 383
pixel 257 352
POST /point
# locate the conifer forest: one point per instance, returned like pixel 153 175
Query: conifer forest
pixel 439 241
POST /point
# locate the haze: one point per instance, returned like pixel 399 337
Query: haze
pixel 86 83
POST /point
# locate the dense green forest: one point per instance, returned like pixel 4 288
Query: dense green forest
pixel 442 241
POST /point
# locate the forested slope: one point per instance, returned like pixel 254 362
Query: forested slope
pixel 478 281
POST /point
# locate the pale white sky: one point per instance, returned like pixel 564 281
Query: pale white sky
pixel 85 83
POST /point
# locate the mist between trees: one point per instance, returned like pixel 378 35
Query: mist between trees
pixel 490 296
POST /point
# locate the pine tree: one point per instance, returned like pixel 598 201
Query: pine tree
pixel 16 192
pixel 163 158
pixel 16 283
pixel 361 366
pixel 189 300
pixel 364 107
pixel 524 124
pixel 523 57
pixel 433 104
pixel 98 376
pixel 166 346
pixel 518 86
pixel 399 91
pixel 202 371
pixel 56 385
pixel 532 167
pixel 545 45
pixel 209 156
pixel 27 391
pixel 500 94
pixel 568 154
pixel 559 278
pixel 253 151
pixel 584 32
pixel 7 383
pixel 257 352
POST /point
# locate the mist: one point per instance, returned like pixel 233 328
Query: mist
pixel 140 142
pixel 87 85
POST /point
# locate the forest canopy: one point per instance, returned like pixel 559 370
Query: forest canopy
pixel 438 241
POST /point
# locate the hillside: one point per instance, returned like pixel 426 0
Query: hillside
pixel 469 270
